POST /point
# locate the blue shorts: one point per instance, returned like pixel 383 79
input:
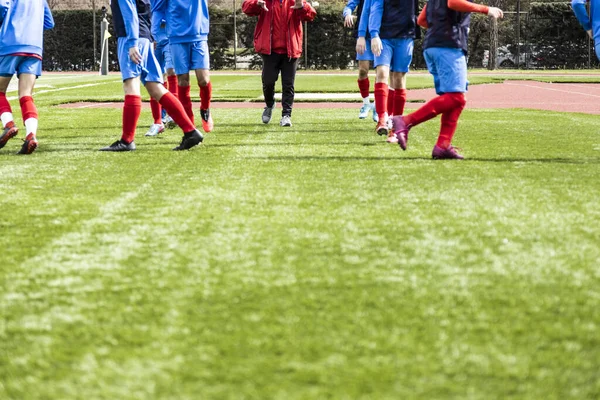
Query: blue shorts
pixel 597 47
pixel 148 70
pixel 367 55
pixel 396 54
pixel 163 55
pixel 190 56
pixel 449 69
pixel 10 65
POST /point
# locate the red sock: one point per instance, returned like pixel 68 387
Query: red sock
pixel 364 85
pixel 4 104
pixel 177 112
pixel 156 111
pixel 172 80
pixel 450 122
pixel 399 101
pixel 205 95
pixel 381 96
pixel 390 101
pixel 183 92
pixel 437 105
pixel 132 108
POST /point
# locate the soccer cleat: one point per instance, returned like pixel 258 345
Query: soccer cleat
pixel 364 111
pixel 445 154
pixel 382 129
pixel 400 130
pixel 207 121
pixel 286 120
pixel 375 116
pixel 391 138
pixel 8 133
pixel 168 122
pixel 189 140
pixel 119 145
pixel 29 144
pixel 267 114
pixel 155 130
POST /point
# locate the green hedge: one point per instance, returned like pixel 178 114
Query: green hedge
pixel 550 27
pixel 70 45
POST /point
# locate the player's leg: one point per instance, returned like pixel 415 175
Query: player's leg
pixel 382 67
pixel 270 74
pixel 172 86
pixel 364 85
pixel 152 80
pixel 201 65
pixel 288 77
pixel 157 126
pixel 450 83
pixel 180 54
pixel 9 129
pixel 132 106
pixel 28 108
pixel 203 77
pixel 191 136
pixel 403 52
pixel 454 85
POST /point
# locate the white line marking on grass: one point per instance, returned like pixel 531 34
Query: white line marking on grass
pixel 65 88
pixel 554 90
pixel 94 105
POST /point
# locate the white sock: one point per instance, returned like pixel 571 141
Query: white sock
pixel 6 117
pixel 31 125
pixel 366 100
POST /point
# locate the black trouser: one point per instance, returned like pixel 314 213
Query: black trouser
pixel 272 64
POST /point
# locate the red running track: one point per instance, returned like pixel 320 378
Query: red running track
pixel 566 97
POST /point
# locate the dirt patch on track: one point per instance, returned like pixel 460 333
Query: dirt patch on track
pixel 566 97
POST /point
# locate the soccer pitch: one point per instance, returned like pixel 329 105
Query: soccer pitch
pixel 312 262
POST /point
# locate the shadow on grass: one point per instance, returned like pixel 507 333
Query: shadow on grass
pixel 428 158
pixel 287 144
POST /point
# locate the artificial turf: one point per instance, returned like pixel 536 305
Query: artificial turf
pixel 310 262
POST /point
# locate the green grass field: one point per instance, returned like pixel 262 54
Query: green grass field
pixel 315 262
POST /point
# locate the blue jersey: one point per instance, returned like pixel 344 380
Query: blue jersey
pixel 393 19
pixel 591 21
pixel 363 19
pixel 131 19
pixel 159 30
pixel 23 25
pixel 187 20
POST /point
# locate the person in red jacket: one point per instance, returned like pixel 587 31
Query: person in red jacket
pixel 278 39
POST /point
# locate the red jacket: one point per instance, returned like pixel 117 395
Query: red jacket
pixel 262 33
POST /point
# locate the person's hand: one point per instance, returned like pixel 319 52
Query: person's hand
pixel 134 55
pixel 262 4
pixel 495 12
pixel 349 21
pixel 376 46
pixel 297 5
pixel 361 45
pixel 590 34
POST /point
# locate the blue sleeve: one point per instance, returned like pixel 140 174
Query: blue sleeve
pixel 157 17
pixel 581 13
pixel 159 6
pixel 364 19
pixel 48 20
pixel 132 22
pixel 375 16
pixel 350 7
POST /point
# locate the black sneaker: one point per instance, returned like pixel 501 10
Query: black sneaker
pixel 190 140
pixel 119 145
pixel 7 134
